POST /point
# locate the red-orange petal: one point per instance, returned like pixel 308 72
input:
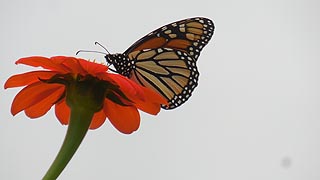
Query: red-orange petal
pixel 31 95
pixel 98 119
pixel 153 96
pixel 138 91
pixel 44 105
pixel 129 88
pixel 92 68
pixel 62 111
pixel 28 78
pixel 44 62
pixel 70 63
pixel 145 99
pixel 124 118
pixel 148 107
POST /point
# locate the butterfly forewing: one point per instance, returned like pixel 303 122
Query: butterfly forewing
pixel 172 73
pixel 189 35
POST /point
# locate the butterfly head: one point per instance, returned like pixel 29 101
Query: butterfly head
pixel 120 62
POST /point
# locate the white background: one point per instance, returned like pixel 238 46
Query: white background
pixel 254 116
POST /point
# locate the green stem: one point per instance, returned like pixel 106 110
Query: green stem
pixel 80 120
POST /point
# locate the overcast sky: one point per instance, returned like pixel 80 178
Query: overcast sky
pixel 254 116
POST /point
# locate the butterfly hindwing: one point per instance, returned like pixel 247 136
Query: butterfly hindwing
pixel 172 73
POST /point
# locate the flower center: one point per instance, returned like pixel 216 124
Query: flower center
pixel 86 92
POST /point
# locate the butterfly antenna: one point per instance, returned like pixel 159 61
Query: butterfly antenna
pixel 80 51
pixel 97 43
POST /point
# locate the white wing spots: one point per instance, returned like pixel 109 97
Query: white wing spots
pixel 159 50
pixel 168 31
pixel 182 30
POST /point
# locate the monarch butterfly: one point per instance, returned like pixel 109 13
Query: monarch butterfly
pixel 165 59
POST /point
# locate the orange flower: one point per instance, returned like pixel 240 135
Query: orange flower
pixel 84 95
pixel 115 97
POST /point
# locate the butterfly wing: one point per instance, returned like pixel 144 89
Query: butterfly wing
pixel 170 72
pixel 189 35
pixel 165 59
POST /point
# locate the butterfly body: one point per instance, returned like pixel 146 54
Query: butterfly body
pixel 121 62
pixel 165 59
